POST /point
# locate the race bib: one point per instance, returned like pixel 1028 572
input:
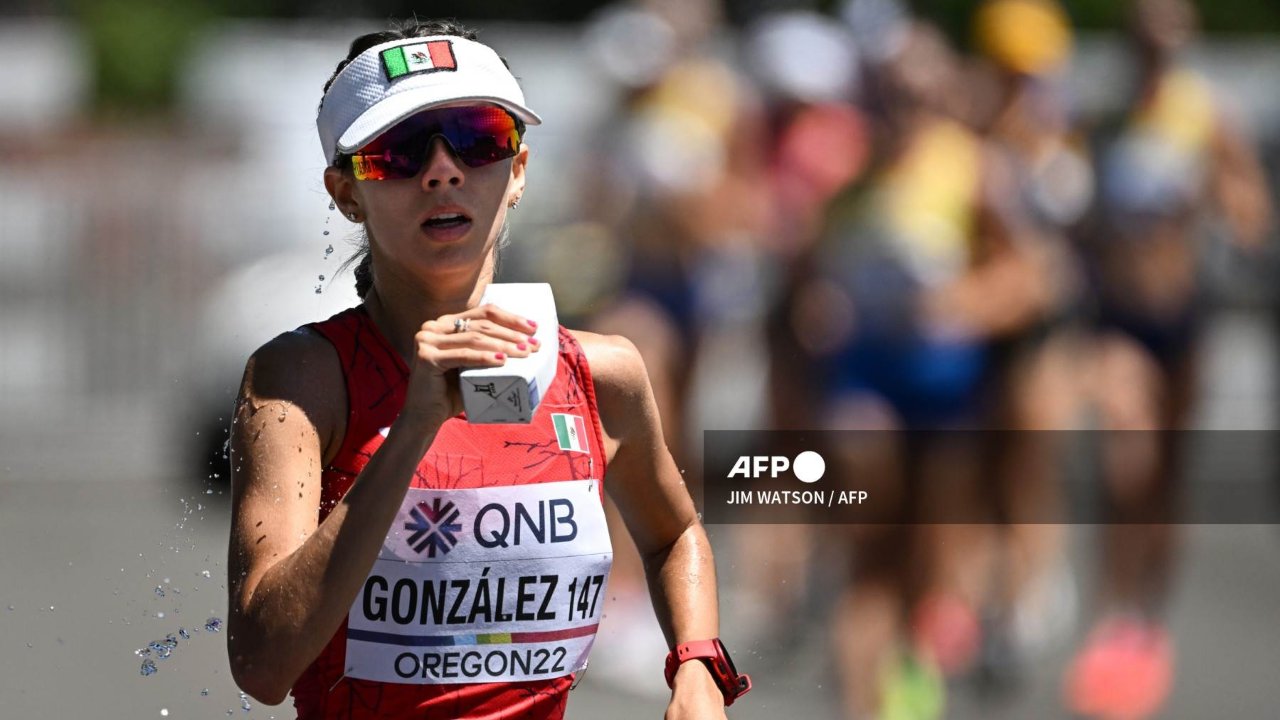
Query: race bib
pixel 493 584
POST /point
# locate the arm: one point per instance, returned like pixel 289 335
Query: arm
pixel 292 579
pixel 1012 282
pixel 651 495
pixel 1239 187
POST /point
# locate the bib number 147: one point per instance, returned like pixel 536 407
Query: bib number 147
pixel 584 593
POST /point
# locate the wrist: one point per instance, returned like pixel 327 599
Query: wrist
pixel 694 674
pixel 692 663
pixel 418 426
pixel 694 679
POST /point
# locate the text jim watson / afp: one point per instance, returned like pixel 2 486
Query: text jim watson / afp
pixel 826 498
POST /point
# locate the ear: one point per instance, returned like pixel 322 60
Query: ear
pixel 519 164
pixel 342 188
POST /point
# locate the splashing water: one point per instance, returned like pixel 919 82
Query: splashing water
pixel 159 591
pixel 148 667
pixel 244 703
pixel 213 624
pixel 204 692
pixel 182 633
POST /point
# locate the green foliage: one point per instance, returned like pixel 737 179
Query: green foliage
pixel 138 48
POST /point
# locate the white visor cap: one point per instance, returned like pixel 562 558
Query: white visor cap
pixel 392 81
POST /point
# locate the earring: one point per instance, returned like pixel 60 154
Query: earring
pixel 515 203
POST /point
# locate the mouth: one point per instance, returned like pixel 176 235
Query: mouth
pixel 446 224
pixel 446 220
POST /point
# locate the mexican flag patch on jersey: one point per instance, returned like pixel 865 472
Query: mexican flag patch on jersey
pixel 571 432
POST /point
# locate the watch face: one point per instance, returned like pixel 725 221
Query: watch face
pixel 733 670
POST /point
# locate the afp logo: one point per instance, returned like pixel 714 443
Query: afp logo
pixel 808 466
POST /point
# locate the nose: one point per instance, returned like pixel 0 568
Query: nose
pixel 442 167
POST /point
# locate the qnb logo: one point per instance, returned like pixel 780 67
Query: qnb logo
pixel 808 466
pixel 434 527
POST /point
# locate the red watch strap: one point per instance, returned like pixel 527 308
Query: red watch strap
pixel 731 683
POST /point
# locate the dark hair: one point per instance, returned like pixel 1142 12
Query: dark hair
pixel 401 30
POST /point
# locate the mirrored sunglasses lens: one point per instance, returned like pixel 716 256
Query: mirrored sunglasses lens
pixel 477 135
pixel 481 135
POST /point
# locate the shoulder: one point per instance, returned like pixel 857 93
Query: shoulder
pixel 301 368
pixel 293 357
pixel 621 382
pixel 616 365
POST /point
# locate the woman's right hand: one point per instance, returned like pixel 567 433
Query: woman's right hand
pixel 440 352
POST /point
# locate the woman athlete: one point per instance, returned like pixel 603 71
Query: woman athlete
pixel 387 558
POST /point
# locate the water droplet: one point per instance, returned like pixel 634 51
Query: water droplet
pixel 244 703
pixel 209 491
pixel 329 250
pixel 11 608
pixel 164 712
pixel 148 667
pixel 160 615
pixel 206 574
pixel 204 692
pixel 332 205
pixel 142 652
pixel 213 624
pixel 159 591
pixel 319 289
pixel 321 277
pixel 182 633
pixel 326 232
pixel 50 608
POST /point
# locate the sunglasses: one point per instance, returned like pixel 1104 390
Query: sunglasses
pixel 477 134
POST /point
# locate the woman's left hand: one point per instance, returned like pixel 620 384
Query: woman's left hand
pixel 695 696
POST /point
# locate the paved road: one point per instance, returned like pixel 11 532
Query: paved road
pixel 81 562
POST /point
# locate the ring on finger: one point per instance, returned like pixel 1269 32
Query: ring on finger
pixel 460 324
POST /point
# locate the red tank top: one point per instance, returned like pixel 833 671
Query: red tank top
pixel 562 443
